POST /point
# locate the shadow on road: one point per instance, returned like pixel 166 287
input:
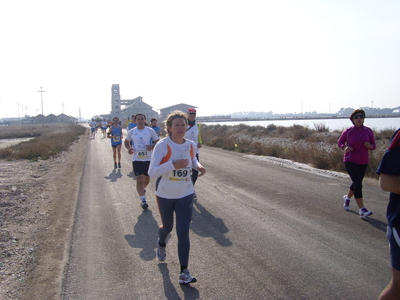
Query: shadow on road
pixel 373 222
pixel 376 223
pixel 169 289
pixel 114 175
pixel 145 235
pixel 132 175
pixel 205 224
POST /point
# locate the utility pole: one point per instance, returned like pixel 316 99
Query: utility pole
pixel 41 98
pixel 18 111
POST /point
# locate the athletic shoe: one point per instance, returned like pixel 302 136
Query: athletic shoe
pixel 161 252
pixel 185 277
pixel 119 165
pixel 194 196
pixel 364 213
pixel 115 165
pixel 346 204
pixel 144 205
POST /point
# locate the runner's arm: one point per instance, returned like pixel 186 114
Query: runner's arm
pixel 156 169
pixel 389 183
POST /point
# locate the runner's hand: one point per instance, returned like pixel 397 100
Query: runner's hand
pixel 180 163
pixel 201 170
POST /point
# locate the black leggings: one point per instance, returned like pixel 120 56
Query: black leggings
pixel 195 173
pixel 356 173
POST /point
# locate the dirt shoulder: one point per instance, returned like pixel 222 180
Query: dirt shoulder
pixel 37 206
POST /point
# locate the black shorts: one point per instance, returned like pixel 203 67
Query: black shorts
pixel 141 167
pixel 394 244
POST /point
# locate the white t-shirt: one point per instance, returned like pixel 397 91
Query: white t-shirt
pixel 173 184
pixel 141 138
pixel 192 133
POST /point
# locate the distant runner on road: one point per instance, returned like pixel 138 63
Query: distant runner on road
pixel 104 125
pixel 140 142
pixel 93 126
pixel 193 133
pixel 115 134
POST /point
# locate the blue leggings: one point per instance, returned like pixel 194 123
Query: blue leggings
pixel 356 173
pixel 183 210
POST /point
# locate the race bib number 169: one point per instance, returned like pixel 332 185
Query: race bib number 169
pixel 179 175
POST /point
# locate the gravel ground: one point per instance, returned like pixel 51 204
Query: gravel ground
pixel 37 203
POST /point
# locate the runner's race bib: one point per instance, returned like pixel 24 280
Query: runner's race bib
pixel 117 139
pixel 142 154
pixel 179 175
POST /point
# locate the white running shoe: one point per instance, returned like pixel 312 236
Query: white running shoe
pixel 364 213
pixel 185 277
pixel 346 202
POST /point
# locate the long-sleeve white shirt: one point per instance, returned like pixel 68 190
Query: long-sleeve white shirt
pixel 172 183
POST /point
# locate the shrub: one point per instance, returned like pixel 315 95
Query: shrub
pixel 300 132
pixel 321 127
pixel 298 143
pixel 47 144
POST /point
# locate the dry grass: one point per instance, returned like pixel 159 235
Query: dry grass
pixel 48 141
pixel 316 147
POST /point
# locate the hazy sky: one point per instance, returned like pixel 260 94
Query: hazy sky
pixel 222 56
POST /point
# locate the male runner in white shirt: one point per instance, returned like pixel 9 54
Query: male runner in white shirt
pixel 143 140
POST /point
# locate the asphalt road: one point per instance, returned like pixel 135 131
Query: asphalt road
pixel 259 231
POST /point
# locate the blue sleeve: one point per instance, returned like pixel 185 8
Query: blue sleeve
pixel 390 163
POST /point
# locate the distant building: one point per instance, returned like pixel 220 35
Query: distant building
pixel 124 109
pixel 40 119
pixel 63 118
pixel 50 118
pixel 164 112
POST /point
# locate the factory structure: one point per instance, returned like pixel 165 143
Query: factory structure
pixel 124 109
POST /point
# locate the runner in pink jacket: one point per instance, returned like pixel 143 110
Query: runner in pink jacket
pixel 356 142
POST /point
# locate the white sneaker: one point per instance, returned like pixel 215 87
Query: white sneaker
pixel 364 213
pixel 185 277
pixel 346 204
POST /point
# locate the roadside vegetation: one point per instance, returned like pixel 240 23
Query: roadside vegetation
pixel 316 147
pixel 46 141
